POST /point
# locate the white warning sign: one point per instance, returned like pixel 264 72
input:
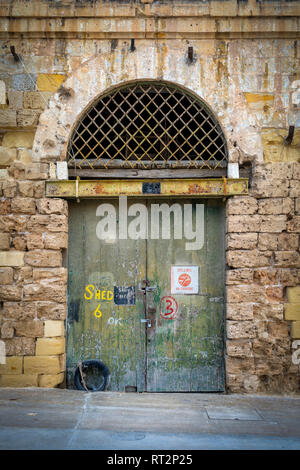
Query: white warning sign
pixel 184 279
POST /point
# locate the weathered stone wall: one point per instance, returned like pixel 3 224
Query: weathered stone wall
pixel 33 280
pixel 251 84
pixel 263 276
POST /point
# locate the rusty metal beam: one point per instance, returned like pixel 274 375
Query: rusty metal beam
pixel 214 187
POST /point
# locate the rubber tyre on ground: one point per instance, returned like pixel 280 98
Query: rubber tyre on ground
pixel 103 369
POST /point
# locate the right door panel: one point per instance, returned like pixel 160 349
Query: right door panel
pixel 185 351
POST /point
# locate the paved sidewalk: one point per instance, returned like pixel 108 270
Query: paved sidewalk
pixel 35 418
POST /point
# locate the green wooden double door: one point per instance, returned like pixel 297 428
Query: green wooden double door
pixel 149 308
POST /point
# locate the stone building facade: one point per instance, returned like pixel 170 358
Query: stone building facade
pixel 245 65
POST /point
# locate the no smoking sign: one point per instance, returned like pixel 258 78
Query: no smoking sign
pixel 184 279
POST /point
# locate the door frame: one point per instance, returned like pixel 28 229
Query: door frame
pixel 191 188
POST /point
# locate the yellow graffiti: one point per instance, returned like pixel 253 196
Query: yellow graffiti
pixel 90 286
pixel 97 294
pixel 97 312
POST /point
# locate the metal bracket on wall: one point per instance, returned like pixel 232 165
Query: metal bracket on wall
pixel 214 187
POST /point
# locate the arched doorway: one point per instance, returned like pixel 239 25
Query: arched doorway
pixel 146 275
pixel 147 125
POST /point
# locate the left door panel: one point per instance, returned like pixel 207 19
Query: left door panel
pixel 115 334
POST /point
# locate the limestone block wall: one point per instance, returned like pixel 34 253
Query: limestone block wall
pixel 33 279
pixel 263 281
pixel 251 82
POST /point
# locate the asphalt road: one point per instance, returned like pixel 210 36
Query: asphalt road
pixel 34 418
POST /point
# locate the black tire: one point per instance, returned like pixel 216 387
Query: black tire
pixel 103 371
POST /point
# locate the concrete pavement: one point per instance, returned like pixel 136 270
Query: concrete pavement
pixel 35 418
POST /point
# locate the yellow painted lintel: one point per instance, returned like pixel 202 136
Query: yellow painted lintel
pixel 213 187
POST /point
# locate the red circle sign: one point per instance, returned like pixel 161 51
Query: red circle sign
pixel 184 279
pixel 168 308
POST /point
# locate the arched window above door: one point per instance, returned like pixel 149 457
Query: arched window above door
pixel 147 125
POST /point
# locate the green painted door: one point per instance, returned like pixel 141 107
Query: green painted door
pixel 117 337
pixel 185 349
pixel 154 333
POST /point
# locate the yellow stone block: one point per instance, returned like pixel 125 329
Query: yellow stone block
pixel 49 81
pixel 50 381
pixel 50 346
pixel 293 154
pixel 259 101
pixel 23 380
pixel 41 365
pixel 258 98
pixel 54 328
pixel 296 330
pixel 13 365
pixel 292 312
pixel 275 151
pixel 293 294
pixel 271 136
pixel 18 139
pixel 11 258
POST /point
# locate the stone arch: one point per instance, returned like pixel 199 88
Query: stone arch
pixel 105 71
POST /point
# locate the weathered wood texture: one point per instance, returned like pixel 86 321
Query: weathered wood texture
pixel 184 354
pixel 119 345
pixel 160 173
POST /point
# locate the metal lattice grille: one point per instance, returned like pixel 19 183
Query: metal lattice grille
pixel 147 125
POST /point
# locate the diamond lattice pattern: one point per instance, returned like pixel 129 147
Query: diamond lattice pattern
pixel 148 125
